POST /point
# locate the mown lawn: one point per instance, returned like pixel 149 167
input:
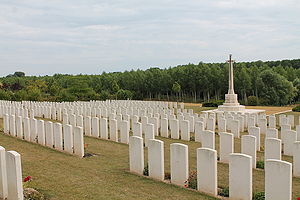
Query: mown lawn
pixel 104 176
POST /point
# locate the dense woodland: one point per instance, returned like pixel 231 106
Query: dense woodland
pixel 265 83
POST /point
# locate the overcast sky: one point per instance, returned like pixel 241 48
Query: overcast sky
pixel 91 36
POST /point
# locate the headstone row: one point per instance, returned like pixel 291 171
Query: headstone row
pixel 278 174
pixel 11 187
pixel 61 137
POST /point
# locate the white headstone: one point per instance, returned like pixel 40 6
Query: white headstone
pixel 103 128
pixel 222 125
pixel 199 128
pixel 240 177
pixel 278 180
pixel 179 163
pixel 136 154
pixel 272 133
pixel 248 147
pixel 185 130
pixel 149 134
pixel 211 124
pixel 41 132
pixel 255 131
pixel 58 141
pixel 88 125
pixel 26 128
pixel 78 141
pixel 14 175
pixel 156 159
pixel 68 138
pixel 262 123
pixel 272 121
pixel 207 171
pixel 19 126
pixel 235 128
pixel 296 159
pixel 95 127
pixel 124 131
pixel 49 134
pixel 174 126
pixel 272 149
pixel 3 174
pixel 33 130
pixel 226 146
pixel 208 139
pixel 164 131
pixel 6 124
pixel 291 137
pixel 113 130
pixel 137 129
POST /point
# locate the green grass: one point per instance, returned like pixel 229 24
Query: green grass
pixel 106 176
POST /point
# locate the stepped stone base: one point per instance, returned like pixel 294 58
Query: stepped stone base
pixel 230 108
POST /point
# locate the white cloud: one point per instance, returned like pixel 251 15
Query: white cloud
pixel 73 36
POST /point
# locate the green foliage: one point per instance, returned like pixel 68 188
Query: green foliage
pixel 275 89
pixel 19 74
pixel 32 194
pixel 212 104
pixel 104 95
pixel 259 196
pixel 260 164
pixel 252 101
pixel 272 82
pixel 296 109
pixel 192 180
pixel 224 192
pixel 124 94
pixel 5 95
pixel 176 87
pixel 64 95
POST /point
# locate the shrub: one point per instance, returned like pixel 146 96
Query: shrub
pixel 260 164
pixel 192 180
pixel 32 194
pixel 264 102
pixel 259 196
pixel 146 170
pixel 252 101
pixel 212 104
pixel 192 138
pixel 296 109
pixel 224 192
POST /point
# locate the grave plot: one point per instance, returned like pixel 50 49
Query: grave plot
pixel 241 134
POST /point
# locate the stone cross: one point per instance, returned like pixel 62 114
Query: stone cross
pixel 230 89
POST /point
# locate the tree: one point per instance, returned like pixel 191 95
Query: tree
pixel 124 94
pixel 243 83
pixel 176 88
pixel 19 74
pixel 275 89
pixel 296 84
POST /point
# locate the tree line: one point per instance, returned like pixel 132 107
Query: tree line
pixel 265 83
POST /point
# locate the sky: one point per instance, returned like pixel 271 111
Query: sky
pixel 44 37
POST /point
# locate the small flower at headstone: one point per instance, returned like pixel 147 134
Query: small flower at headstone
pixel 28 178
